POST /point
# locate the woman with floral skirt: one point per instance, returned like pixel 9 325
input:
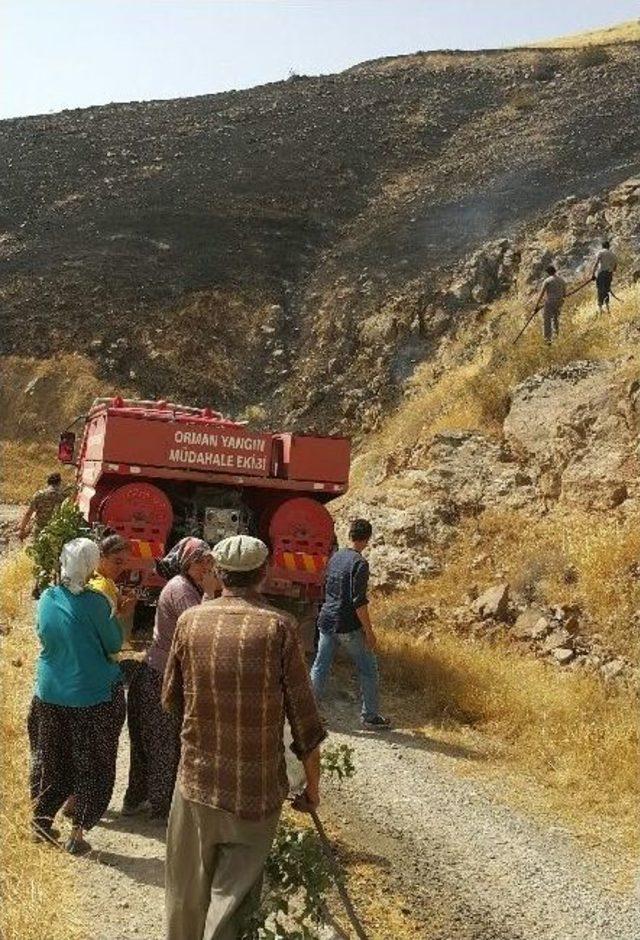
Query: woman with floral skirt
pixel 154 734
pixel 78 708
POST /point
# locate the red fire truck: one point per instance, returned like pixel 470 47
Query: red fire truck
pixel 156 472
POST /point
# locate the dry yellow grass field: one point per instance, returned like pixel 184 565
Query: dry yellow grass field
pixel 629 31
pixel 25 467
pixel 38 399
pixel 575 737
pixel 473 390
pixel 39 900
pixel 533 556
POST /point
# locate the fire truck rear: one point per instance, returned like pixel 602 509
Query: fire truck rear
pixel 156 472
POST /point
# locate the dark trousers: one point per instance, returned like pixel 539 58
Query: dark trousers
pixel 155 743
pixel 551 320
pixel 603 286
pixel 74 751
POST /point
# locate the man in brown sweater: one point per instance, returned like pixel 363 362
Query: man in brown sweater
pixel 236 669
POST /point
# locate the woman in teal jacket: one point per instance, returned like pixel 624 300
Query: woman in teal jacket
pixel 78 707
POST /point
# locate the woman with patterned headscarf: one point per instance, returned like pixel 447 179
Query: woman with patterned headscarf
pixel 154 735
pixel 78 707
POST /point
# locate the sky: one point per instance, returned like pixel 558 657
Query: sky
pixel 57 54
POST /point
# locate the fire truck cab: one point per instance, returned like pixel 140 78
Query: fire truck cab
pixel 156 471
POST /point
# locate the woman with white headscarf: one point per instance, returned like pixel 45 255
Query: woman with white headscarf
pixel 78 707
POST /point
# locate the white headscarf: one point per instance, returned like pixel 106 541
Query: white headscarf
pixel 78 561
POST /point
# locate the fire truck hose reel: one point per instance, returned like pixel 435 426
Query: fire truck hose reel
pixel 300 531
pixel 138 507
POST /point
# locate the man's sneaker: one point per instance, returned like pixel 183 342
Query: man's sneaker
pixel 129 809
pixel 377 723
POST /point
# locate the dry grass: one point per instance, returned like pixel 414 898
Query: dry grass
pixel 38 399
pixel 431 409
pixel 473 392
pixel 566 729
pixel 572 734
pixel 25 467
pixel 523 100
pixel 628 31
pixel 512 363
pixel 575 737
pixel 39 901
pixel 592 55
pixel 535 556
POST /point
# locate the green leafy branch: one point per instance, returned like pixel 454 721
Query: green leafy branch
pixel 66 523
pixel 337 761
pixel 298 874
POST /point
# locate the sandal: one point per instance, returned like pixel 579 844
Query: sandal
pixel 77 846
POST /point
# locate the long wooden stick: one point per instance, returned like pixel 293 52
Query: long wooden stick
pixel 568 294
pixel 579 287
pixel 525 326
pixel 337 874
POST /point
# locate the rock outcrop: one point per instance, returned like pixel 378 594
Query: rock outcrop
pixel 579 425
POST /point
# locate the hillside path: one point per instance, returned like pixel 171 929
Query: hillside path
pixel 470 866
pixel 463 864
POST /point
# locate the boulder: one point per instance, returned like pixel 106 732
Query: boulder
pixel 575 427
pixel 556 640
pixel 493 603
pixel 613 669
pixel 563 655
pixel 394 568
pixel 531 625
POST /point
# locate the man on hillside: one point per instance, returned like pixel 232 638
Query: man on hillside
pixel 603 270
pixel 42 506
pixel 551 299
pixel 344 620
pixel 235 671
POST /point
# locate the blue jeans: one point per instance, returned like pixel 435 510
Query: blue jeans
pixel 365 661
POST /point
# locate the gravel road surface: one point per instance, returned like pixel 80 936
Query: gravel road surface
pixel 473 867
pixel 468 866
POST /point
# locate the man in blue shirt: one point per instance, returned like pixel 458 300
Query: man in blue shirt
pixel 344 619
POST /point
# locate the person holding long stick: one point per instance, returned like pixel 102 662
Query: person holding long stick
pixel 603 270
pixel 236 669
pixel 551 299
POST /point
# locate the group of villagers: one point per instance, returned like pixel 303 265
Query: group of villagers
pixel 79 706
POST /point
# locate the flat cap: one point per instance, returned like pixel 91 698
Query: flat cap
pixel 240 553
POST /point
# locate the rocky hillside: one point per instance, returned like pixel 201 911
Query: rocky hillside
pixel 504 489
pixel 357 253
pixel 294 247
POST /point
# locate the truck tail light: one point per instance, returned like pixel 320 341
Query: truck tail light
pixel 66 447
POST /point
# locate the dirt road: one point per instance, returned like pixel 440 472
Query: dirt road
pixel 439 845
pixel 472 867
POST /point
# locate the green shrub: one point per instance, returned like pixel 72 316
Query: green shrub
pixel 298 874
pixel 66 523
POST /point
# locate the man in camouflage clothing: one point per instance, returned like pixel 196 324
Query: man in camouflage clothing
pixel 42 506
